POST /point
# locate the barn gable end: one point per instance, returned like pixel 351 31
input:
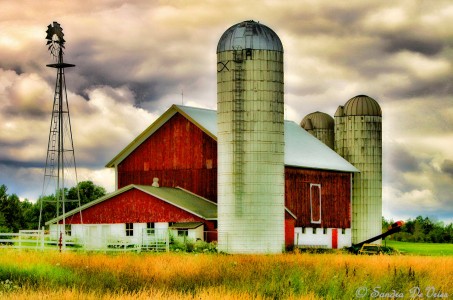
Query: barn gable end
pixel 178 153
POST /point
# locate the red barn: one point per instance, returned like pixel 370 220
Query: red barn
pixel 180 149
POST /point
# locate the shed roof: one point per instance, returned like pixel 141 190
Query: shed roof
pixel 178 197
pixel 184 199
pixel 301 148
pixel 186 225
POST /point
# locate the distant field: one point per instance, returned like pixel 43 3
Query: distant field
pixel 431 249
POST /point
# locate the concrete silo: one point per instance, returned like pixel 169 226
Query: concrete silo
pixel 320 125
pixel 358 138
pixel 250 140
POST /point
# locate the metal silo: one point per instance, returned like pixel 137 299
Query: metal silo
pixel 358 138
pixel 250 140
pixel 321 126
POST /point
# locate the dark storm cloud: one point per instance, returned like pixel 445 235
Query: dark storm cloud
pixel 398 160
pixel 22 164
pixel 430 87
pixel 427 45
pixel 402 160
pixel 151 71
pixel 447 168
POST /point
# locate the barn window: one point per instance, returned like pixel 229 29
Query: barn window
pixel 68 230
pixel 343 231
pixel 150 228
pixel 183 233
pixel 315 203
pixel 129 229
pixel 324 230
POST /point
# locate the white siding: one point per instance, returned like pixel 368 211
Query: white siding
pixel 321 239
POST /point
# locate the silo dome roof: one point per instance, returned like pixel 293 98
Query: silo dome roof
pixel 249 35
pixel 362 105
pixel 317 120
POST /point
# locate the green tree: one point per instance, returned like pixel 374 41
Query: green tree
pixel 386 224
pixel 3 194
pixel 88 192
pixel 30 213
pixel 3 227
pixel 49 210
pixel 424 229
pixel 11 210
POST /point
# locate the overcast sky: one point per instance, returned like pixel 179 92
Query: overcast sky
pixel 133 60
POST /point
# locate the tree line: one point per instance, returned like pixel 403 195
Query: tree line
pixel 16 215
pixel 421 230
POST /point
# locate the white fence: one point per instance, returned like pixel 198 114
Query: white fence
pixel 151 240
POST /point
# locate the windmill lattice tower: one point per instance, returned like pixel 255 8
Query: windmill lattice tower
pixel 60 171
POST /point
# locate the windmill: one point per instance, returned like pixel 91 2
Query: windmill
pixel 60 170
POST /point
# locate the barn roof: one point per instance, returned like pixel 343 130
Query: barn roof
pixel 301 148
pixel 178 197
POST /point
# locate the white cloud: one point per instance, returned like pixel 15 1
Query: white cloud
pixel 398 205
pixel 421 66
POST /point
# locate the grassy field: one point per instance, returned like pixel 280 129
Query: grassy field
pixel 51 275
pixel 424 249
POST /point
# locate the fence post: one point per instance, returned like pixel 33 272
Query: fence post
pixel 167 241
pixel 19 235
pixel 42 238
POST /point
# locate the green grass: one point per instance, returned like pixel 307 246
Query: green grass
pixel 86 275
pixel 431 249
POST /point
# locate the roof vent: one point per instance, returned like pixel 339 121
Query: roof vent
pixel 155 182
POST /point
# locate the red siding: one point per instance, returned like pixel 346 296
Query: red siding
pixel 289 230
pixel 179 154
pixel 134 206
pixel 335 196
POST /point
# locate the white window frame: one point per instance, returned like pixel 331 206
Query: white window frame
pixel 129 231
pixel 317 185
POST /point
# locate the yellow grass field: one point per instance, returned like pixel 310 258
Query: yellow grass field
pixel 69 275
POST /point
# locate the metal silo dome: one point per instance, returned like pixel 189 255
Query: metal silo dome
pixel 321 126
pixel 249 35
pixel 317 120
pixel 362 105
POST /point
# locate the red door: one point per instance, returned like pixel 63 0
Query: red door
pixel 334 238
